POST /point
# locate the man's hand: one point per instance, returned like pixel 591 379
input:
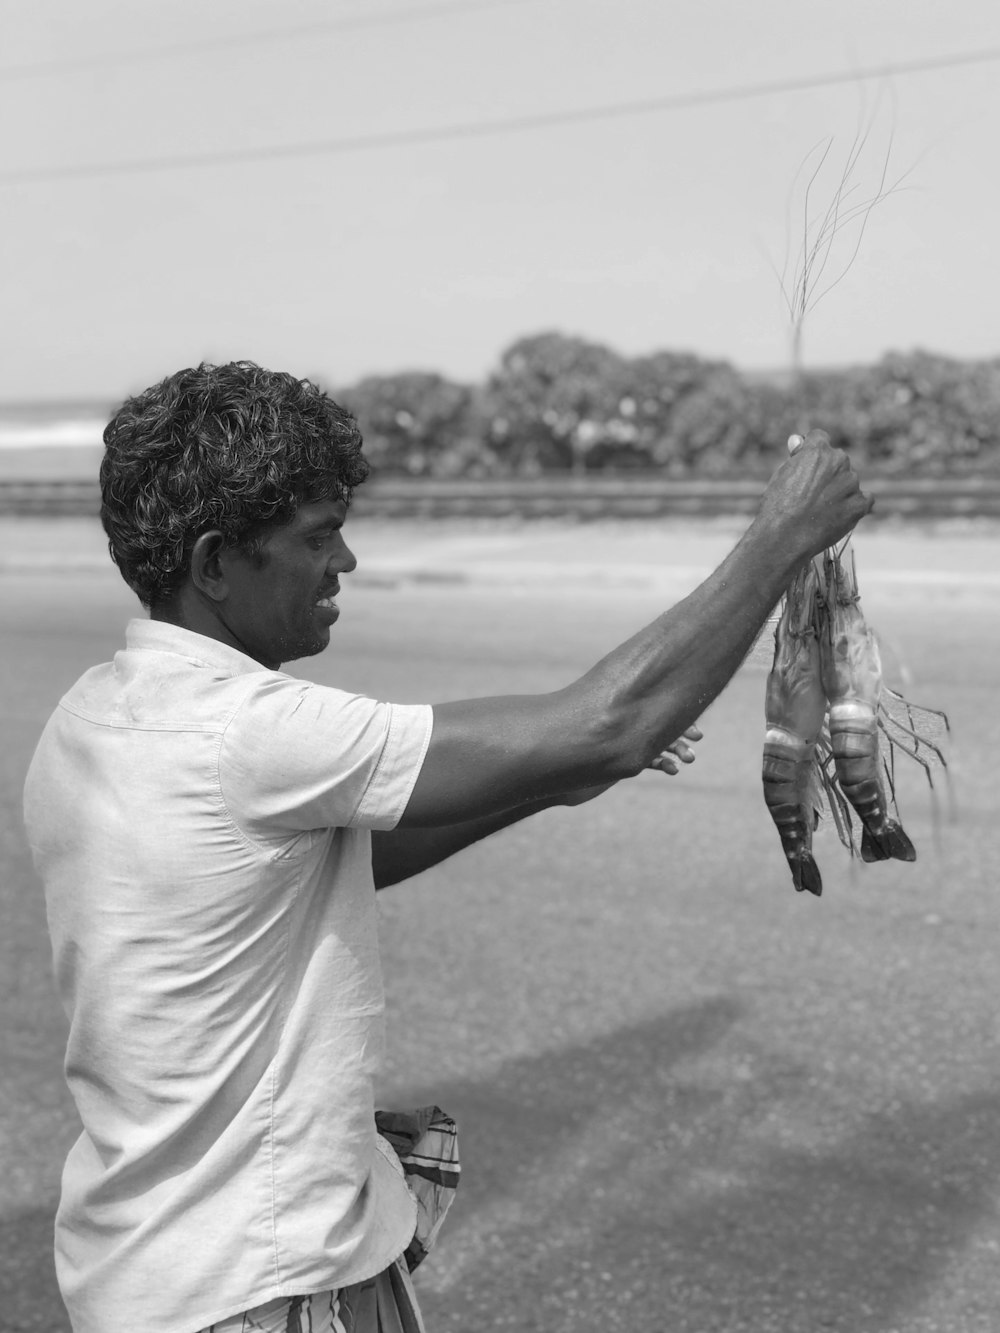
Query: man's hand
pixel 668 761
pixel 815 495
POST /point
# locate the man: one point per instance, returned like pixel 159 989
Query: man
pixel 210 832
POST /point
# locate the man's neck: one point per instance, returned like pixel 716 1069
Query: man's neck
pixel 187 610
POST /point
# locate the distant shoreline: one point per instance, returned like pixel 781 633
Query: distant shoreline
pixel 56 425
pixel 58 435
pixel 57 409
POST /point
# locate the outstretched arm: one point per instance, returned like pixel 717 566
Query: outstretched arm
pixel 400 853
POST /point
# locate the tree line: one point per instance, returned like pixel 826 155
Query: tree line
pixel 558 403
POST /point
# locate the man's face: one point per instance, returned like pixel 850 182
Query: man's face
pixel 280 604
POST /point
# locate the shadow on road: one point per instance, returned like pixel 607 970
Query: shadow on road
pixel 29 1299
pixel 609 1187
pixel 615 1185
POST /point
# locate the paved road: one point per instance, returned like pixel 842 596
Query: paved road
pixel 690 1099
pixel 957 557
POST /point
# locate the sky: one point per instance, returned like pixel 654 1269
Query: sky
pixel 328 235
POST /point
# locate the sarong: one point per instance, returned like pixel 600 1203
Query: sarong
pixel 426 1142
pixel 383 1304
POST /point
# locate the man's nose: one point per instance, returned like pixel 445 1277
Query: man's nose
pixel 345 560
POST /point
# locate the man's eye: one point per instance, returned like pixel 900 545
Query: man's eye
pixel 320 539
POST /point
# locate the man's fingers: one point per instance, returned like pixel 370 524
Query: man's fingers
pixel 670 759
pixel 666 763
pixel 795 443
pixel 682 751
pixel 681 748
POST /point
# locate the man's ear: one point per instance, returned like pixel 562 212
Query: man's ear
pixel 207 573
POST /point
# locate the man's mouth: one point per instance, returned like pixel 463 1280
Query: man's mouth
pixel 328 601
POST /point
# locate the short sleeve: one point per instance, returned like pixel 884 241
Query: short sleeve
pixel 298 756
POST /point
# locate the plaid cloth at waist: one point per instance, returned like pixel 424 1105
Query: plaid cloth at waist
pixel 383 1304
pixel 426 1142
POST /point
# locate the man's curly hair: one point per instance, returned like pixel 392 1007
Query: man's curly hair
pixel 234 448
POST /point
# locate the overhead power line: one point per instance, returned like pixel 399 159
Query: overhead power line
pixel 384 18
pixel 483 129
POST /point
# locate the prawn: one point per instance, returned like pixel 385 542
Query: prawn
pixel 795 710
pixel 851 672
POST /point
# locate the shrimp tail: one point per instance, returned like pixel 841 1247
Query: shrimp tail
pixel 795 820
pixel 805 874
pixel 890 842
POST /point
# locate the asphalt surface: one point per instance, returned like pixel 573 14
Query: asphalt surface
pixel 690 1099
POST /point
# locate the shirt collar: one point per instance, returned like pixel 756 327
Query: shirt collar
pixel 159 636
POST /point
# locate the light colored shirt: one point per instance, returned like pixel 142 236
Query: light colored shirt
pixel 201 826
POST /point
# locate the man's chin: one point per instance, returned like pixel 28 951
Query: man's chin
pixel 293 650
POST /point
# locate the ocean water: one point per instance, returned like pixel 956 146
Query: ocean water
pixel 67 421
pixel 41 441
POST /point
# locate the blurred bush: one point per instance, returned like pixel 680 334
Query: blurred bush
pixel 563 404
